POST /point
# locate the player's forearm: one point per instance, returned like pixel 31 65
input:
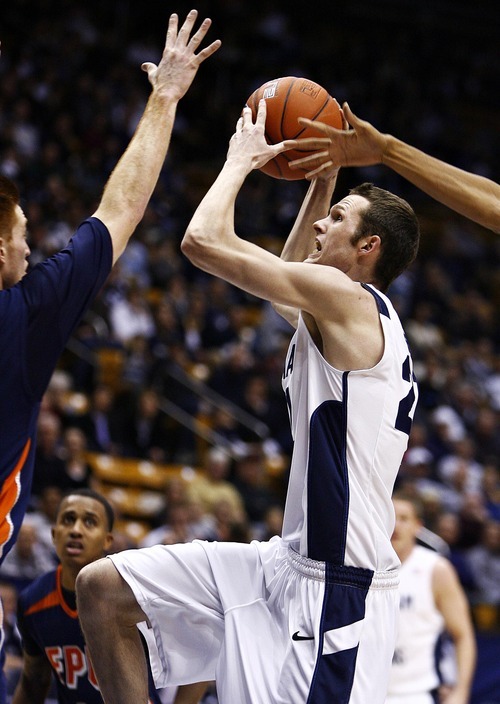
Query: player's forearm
pixel 473 196
pixel 316 204
pixel 29 691
pixel 465 647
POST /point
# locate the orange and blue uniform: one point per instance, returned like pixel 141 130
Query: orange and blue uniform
pixel 37 316
pixel 48 623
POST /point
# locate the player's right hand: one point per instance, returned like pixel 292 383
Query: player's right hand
pixel 363 145
pixel 179 62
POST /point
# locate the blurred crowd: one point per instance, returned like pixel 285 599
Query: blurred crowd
pixel 186 345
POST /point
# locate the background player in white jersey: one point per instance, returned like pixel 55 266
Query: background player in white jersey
pixel 310 616
pixel 431 602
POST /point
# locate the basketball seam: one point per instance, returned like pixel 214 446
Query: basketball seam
pixel 315 117
pixel 283 112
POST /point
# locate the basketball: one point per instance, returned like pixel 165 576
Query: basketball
pixel 287 99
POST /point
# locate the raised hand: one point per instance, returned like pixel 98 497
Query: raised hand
pixel 179 62
pixel 363 145
pixel 249 142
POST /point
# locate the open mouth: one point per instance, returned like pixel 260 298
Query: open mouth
pixel 75 547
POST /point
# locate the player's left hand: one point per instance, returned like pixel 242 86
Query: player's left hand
pixel 248 144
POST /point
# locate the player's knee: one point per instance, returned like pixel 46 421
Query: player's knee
pixel 94 586
pixel 103 596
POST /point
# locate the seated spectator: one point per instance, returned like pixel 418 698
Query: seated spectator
pixel 491 489
pixel 77 473
pixel 100 422
pixel 460 474
pixel 44 516
pixel 131 315
pixel 448 528
pixel 27 560
pixel 213 486
pixel 144 429
pixel 252 482
pixel 137 364
pixel 422 332
pixel 446 428
pixel 271 525
pixel 486 434
pixel 230 525
pixel 48 463
pixel 484 560
pixel 177 528
pixel 12 643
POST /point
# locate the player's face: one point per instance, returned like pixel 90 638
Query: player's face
pixel 335 234
pixel 81 533
pixel 406 527
pixel 14 252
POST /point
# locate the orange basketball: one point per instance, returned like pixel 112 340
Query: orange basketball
pixel 287 99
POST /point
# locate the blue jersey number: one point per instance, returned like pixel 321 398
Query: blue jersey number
pixel 403 419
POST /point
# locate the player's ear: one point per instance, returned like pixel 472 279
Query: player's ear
pixel 2 248
pixel 370 243
pixel 108 542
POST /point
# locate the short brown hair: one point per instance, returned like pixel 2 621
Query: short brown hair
pixel 411 498
pixel 394 221
pixel 9 199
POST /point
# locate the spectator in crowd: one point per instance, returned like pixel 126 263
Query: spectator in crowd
pixel 28 559
pixel 131 316
pixel 214 486
pixel 12 638
pixel 77 473
pixel 448 528
pixel 252 482
pixel 48 465
pixel 176 529
pixel 144 430
pixel 491 489
pixel 100 422
pixel 484 561
pixel 43 516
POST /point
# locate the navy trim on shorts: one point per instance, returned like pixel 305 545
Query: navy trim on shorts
pixel 344 604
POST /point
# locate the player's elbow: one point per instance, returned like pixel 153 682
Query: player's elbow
pixel 193 245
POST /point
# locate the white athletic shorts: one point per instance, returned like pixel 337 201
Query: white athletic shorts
pixel 269 625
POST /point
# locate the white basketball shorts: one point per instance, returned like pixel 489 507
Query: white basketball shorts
pixel 269 625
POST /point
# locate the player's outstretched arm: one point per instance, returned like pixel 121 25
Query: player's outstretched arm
pixel 471 195
pixel 132 182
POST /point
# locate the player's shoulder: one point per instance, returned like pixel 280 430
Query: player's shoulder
pixel 443 569
pixel 38 590
pixel 425 556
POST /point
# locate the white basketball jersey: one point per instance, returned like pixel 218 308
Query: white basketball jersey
pixel 414 666
pixel 350 430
